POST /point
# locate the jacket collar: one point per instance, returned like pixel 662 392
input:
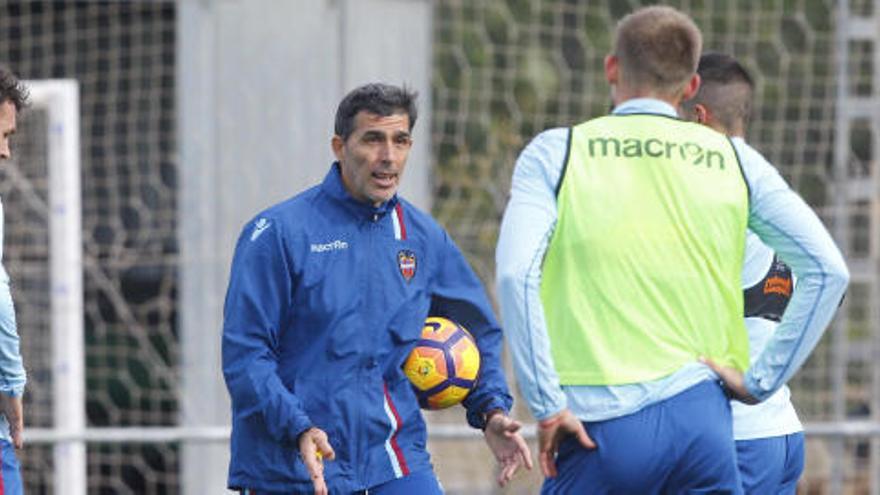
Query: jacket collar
pixel 645 105
pixel 332 186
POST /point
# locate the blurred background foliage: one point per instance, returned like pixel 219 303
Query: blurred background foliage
pixel 506 70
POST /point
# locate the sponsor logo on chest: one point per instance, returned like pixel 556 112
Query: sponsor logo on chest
pixel 336 245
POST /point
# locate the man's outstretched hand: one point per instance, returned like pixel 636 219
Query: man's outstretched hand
pixel 314 448
pixel 507 444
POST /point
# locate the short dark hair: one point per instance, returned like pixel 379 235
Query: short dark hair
pixel 726 88
pixel 12 90
pixel 378 98
pixel 658 47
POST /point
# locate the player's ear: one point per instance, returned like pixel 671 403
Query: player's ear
pixel 612 69
pixel 690 90
pixel 701 114
pixel 337 143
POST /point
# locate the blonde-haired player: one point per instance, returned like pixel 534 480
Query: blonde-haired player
pixel 619 273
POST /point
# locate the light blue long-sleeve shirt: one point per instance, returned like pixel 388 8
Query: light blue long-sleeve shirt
pixel 12 374
pixel 776 214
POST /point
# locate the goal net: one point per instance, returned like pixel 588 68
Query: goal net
pixel 42 187
pixel 122 56
pixel 503 70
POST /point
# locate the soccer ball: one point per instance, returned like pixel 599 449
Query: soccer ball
pixel 444 365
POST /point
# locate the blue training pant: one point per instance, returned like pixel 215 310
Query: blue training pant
pixel 422 483
pixel 10 471
pixel 682 445
pixel 771 465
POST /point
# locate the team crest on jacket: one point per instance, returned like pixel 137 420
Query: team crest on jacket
pixel 406 261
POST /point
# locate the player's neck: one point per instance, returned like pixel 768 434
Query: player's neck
pixel 737 131
pixel 624 93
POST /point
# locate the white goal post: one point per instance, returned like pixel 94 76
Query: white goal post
pixel 60 100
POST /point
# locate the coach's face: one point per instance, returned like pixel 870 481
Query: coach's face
pixel 7 128
pixel 373 157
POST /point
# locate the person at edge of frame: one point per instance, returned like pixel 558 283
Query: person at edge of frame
pixel 328 294
pixel 13 99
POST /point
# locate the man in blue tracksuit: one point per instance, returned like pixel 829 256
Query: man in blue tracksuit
pixel 13 97
pixel 328 293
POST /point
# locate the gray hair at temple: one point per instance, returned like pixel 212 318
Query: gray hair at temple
pixel 378 98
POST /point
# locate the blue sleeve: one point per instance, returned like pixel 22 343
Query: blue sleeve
pixel 458 294
pixel 257 301
pixel 12 374
pixel 526 229
pixel 787 224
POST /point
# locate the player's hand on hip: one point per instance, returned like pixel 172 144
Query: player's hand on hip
pixel 733 381
pixel 552 431
pixel 507 444
pixel 314 448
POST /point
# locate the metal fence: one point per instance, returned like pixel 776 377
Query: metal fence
pixel 503 71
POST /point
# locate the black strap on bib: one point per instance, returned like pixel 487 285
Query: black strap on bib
pixel 769 297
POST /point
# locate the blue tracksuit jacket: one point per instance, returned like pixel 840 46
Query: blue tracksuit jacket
pixel 326 298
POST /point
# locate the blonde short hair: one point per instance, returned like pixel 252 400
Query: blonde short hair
pixel 658 47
